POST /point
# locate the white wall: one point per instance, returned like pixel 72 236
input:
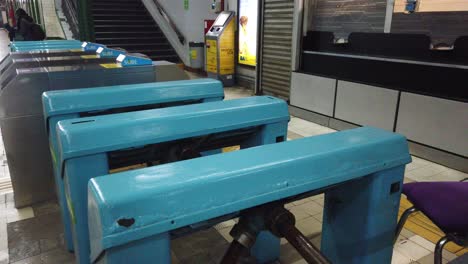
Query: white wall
pixel 190 22
pixel 230 5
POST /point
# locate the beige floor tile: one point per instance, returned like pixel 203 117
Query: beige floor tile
pixel 225 233
pixel 421 161
pixel 424 173
pixel 429 259
pixel 309 226
pixel 297 131
pixel 283 241
pixel 299 213
pixel 448 255
pixel 406 233
pixel 423 242
pixel 299 202
pixel 3 234
pixel 407 179
pixel 317 197
pixel 411 166
pixel 311 208
pixel 293 136
pixel 320 201
pixel 448 175
pixel 398 258
pixel 411 249
pixel 225 224
pixel 15 215
pixel 318 216
pixel 401 238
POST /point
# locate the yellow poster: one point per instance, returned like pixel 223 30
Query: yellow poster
pixel 226 50
pixel 89 56
pixel 211 56
pixel 111 65
pixel 248 27
pixel 193 54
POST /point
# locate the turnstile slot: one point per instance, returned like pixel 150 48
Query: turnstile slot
pixel 137 108
pixel 177 150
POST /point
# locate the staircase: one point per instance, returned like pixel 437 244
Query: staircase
pixel 127 24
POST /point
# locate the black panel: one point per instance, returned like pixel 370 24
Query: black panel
pixel 461 47
pixel 402 46
pixel 390 45
pixel 412 75
pixel 444 82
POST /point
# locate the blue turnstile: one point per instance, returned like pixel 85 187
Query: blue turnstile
pixel 90 147
pixel 132 214
pixel 68 104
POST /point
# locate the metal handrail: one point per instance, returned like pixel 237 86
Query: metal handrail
pixel 166 16
pixel 70 10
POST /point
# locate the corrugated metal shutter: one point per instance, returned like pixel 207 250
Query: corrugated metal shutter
pixel 277 32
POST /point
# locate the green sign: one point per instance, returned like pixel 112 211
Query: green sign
pixel 186 4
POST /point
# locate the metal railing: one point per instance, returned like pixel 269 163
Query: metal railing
pixel 169 21
pixel 70 10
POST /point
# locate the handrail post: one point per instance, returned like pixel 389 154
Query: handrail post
pixel 166 16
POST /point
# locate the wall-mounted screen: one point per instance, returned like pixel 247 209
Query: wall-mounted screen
pixel 221 20
pixel 248 27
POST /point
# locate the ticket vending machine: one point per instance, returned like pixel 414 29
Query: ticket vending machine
pixel 220 51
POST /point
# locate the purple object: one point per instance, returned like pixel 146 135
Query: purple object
pixel 445 203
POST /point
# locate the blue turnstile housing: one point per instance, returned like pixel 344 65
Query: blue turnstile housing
pixel 132 214
pixel 87 48
pixel 47 45
pixel 68 104
pixel 28 46
pixel 86 146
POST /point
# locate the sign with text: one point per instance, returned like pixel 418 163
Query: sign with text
pixel 248 27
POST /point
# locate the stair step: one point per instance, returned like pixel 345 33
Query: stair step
pixel 127 24
pixel 128 40
pixel 119 11
pixel 118 17
pixel 152 51
pixel 118 23
pixel 137 45
pixel 128 34
pixel 127 28
pixel 113 4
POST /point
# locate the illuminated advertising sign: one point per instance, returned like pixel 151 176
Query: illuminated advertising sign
pixel 248 26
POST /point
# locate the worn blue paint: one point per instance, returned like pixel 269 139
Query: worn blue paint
pixel 59 186
pixel 66 44
pixel 44 42
pixel 79 139
pixel 46 47
pixel 344 238
pixel 109 53
pixel 68 104
pixel 359 164
pixel 90 46
pixel 129 60
pixel 39 45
